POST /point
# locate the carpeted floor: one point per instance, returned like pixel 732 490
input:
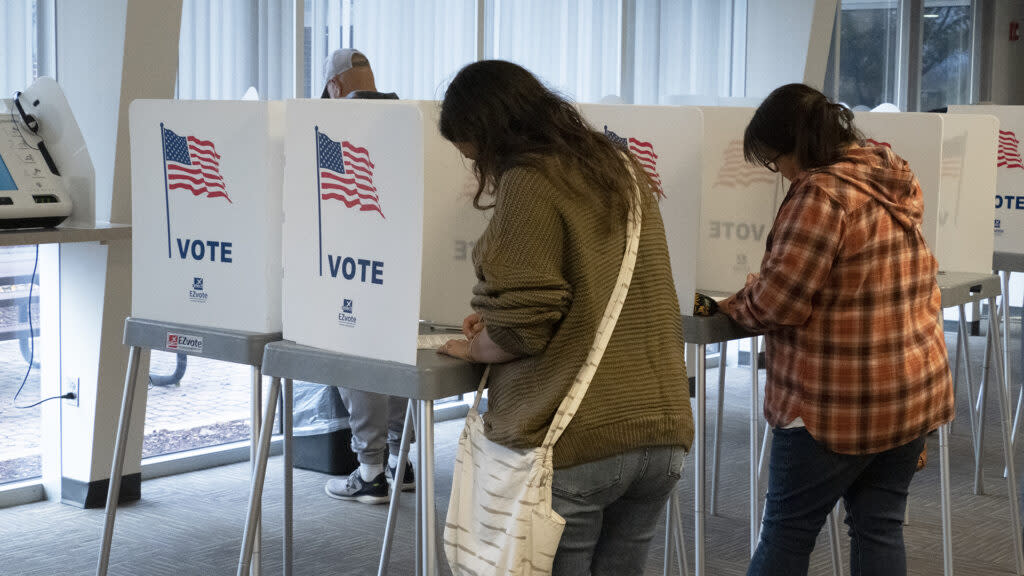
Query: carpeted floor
pixel 192 523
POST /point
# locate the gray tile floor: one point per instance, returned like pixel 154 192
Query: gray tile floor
pixel 191 523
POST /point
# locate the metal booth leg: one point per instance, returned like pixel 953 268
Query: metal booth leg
pixel 680 541
pixel 425 480
pixel 286 457
pixel 719 417
pixel 252 517
pixel 117 466
pixel 403 457
pixel 1006 419
pixel 670 532
pixel 675 546
pixel 699 453
pixel 755 424
pixel 979 410
pixel 255 404
pixel 946 501
pixel 833 541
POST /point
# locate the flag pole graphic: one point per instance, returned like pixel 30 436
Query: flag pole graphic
pixel 319 217
pixel 167 200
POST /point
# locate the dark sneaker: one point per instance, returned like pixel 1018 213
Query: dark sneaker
pixel 354 488
pixel 408 483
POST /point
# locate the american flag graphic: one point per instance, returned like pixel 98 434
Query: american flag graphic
pixel 953 157
pixel 1009 153
pixel 193 164
pixel 736 172
pixel 346 174
pixel 644 153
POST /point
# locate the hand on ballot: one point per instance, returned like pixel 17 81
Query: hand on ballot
pixel 725 306
pixel 458 348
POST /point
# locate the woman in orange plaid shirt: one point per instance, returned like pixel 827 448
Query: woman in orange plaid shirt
pixel 857 371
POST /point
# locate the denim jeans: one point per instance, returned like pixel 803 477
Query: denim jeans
pixel 611 508
pixel 805 481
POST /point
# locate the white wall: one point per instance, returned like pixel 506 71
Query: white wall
pixel 90 47
pixel 1007 55
pixel 787 42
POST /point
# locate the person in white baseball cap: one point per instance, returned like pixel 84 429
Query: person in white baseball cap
pixel 347 74
pixel 376 420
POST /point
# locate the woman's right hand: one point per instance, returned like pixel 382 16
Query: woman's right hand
pixel 472 325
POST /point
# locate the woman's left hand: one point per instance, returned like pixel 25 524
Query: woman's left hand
pixel 457 348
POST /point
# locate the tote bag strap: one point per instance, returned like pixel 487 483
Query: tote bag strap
pixel 571 402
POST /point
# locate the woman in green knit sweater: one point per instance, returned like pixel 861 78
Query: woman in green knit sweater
pixel 546 265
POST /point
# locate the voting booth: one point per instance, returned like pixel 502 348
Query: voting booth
pixel 667 142
pixel 206 213
pixel 451 225
pixel 950 157
pixel 1008 224
pixel 967 184
pixel 738 204
pixel 353 229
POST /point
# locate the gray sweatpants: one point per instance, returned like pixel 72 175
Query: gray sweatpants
pixel 376 421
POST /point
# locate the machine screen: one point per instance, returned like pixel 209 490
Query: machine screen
pixel 6 182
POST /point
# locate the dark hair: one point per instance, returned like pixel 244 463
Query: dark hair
pixel 512 120
pixel 797 119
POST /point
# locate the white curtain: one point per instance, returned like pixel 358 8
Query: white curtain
pixel 218 50
pixel 227 46
pixel 415 48
pixel 17 45
pixel 683 51
pixel 679 51
pixel 574 46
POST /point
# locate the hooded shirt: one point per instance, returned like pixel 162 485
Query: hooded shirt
pixel 848 300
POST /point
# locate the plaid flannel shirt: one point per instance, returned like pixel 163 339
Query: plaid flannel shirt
pixel 848 299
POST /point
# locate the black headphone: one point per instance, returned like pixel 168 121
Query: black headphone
pixel 29 120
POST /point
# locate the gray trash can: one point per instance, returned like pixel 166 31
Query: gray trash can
pixel 322 437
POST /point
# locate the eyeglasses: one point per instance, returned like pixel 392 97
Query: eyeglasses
pixel 773 164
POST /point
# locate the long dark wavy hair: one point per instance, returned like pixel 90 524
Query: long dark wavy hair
pixel 797 119
pixel 512 119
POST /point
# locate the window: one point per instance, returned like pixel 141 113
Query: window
pixel 675 50
pixel 885 50
pixel 945 53
pixel 18 45
pixel 22 60
pixel 20 427
pixel 225 48
pixel 868 53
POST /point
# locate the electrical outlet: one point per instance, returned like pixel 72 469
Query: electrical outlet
pixel 71 386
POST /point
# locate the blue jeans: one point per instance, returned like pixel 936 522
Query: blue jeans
pixel 806 479
pixel 611 508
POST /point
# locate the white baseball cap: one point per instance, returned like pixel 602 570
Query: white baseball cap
pixel 339 61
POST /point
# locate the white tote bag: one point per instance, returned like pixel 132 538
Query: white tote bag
pixel 500 520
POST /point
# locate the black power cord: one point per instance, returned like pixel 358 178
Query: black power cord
pixel 32 345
